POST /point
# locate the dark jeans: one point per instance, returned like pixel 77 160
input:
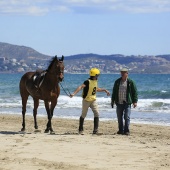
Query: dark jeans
pixel 123 110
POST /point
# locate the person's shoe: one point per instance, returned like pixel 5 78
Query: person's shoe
pixel 120 133
pixel 81 132
pixel 95 132
pixel 127 133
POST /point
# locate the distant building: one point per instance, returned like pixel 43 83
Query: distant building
pixel 2 59
pixel 13 60
pixel 20 69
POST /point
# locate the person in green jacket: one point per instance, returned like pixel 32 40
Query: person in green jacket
pixel 124 95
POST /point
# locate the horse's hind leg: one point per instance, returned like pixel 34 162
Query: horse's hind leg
pixel 36 104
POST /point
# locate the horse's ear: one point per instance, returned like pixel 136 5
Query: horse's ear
pixel 55 57
pixel 62 58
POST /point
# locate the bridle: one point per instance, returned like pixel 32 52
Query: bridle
pixel 60 71
pixel 66 91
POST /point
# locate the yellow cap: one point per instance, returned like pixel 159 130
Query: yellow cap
pixel 94 72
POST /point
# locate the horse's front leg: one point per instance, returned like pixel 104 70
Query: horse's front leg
pixel 49 116
pixel 53 104
pixel 24 102
pixel 36 104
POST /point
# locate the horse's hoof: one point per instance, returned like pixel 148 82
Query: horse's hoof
pixel 46 131
pixel 23 129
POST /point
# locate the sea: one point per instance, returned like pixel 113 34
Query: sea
pixel 153 93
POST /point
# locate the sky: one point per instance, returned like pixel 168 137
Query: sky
pixel 104 27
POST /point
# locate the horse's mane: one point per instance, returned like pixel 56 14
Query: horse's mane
pixel 51 62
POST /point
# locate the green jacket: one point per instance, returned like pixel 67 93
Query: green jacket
pixel 132 94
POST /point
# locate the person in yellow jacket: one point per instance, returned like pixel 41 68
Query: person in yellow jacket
pixel 90 87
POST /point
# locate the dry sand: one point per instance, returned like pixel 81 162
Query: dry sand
pixel 147 148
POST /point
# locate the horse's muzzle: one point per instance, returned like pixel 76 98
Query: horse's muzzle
pixel 61 77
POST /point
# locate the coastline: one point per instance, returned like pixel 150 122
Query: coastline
pixel 148 146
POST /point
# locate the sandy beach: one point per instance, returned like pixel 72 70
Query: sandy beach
pixel 147 148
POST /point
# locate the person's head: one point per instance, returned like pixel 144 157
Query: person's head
pixel 94 73
pixel 124 73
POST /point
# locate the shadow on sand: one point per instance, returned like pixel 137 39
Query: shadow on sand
pixel 12 133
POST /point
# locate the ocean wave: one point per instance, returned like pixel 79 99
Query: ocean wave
pixel 144 105
pixel 153 105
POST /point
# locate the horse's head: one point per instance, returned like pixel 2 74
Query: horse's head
pixel 60 67
pixel 57 68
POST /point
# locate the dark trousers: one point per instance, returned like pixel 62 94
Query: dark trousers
pixel 123 112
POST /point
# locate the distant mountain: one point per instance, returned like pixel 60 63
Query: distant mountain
pixel 14 58
pixel 119 58
pixel 113 63
pixel 166 57
pixel 20 53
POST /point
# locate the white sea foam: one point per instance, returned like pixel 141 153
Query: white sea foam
pixel 153 105
pixel 144 105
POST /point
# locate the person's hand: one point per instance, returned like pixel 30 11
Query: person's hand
pixel 108 93
pixel 134 105
pixel 71 95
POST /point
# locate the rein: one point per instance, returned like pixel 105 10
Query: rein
pixel 67 92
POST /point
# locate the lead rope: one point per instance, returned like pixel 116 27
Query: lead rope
pixel 67 92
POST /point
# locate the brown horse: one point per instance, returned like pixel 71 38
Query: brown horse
pixel 48 91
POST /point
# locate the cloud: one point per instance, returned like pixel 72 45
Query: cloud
pixel 143 6
pixel 42 7
pixel 23 7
